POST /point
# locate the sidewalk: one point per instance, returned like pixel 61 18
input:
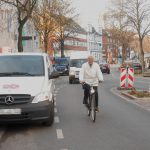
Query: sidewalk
pixel 141 102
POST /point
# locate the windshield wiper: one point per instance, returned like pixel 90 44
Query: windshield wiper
pixel 16 73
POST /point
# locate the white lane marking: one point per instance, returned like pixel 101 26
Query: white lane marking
pixel 55 103
pixel 56 119
pixel 59 134
pixel 115 93
pixel 64 149
pixel 55 110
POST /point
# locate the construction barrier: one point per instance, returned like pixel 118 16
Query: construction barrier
pixel 130 77
pixel 127 78
pixel 123 77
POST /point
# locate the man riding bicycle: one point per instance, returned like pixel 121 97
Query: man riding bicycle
pixel 90 74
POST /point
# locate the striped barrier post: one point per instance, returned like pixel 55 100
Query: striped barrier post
pixel 130 77
pixel 123 77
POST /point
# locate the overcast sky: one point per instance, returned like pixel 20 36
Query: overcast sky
pixel 90 11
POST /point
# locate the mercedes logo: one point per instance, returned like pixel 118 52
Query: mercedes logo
pixel 9 100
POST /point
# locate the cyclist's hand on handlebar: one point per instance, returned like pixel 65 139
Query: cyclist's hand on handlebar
pixel 100 81
pixel 81 82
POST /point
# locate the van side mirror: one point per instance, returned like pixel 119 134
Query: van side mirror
pixel 54 75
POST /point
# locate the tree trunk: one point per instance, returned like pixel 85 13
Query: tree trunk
pixel 62 49
pixel 123 53
pixel 142 55
pixel 20 46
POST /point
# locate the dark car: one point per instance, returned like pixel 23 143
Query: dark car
pixel 62 65
pixel 104 66
pixel 137 67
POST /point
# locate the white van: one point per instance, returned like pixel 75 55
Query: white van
pixel 76 61
pixel 26 88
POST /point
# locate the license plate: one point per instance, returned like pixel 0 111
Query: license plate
pixel 10 111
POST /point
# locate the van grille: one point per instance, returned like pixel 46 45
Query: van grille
pixel 18 99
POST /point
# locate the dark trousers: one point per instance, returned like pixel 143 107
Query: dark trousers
pixel 86 95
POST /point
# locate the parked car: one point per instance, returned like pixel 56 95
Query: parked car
pixel 137 67
pixel 26 88
pixel 62 65
pixel 105 67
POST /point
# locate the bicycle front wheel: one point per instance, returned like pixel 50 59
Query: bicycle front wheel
pixel 93 106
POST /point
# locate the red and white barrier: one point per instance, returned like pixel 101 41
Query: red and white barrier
pixel 130 77
pixel 123 77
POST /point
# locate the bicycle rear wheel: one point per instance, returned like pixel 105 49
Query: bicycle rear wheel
pixel 93 106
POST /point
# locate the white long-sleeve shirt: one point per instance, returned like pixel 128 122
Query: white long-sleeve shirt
pixel 91 74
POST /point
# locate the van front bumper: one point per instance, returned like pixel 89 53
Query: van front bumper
pixel 28 112
pixel 73 78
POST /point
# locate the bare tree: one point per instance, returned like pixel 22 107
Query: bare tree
pixel 138 13
pixel 65 22
pixel 44 21
pixel 117 24
pixel 24 10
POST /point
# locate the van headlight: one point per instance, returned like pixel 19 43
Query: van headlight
pixel 72 72
pixel 41 97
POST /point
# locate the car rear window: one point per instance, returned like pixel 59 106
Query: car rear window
pixel 136 65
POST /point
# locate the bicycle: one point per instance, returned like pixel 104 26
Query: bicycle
pixel 91 106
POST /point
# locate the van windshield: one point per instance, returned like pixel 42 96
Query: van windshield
pixel 26 65
pixel 77 62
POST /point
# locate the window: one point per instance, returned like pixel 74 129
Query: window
pixel 33 65
pixel 77 62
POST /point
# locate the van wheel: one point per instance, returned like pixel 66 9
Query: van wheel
pixel 50 120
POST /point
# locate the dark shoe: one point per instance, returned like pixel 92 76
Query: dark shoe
pixel 97 109
pixel 84 101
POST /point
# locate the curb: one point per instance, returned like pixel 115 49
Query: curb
pixel 128 99
pixel 127 95
pixel 133 97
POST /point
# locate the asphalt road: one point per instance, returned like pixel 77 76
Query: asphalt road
pixel 120 125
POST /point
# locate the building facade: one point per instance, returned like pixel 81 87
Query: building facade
pixel 94 42
pixel 111 48
pixel 73 43
pixel 7 29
